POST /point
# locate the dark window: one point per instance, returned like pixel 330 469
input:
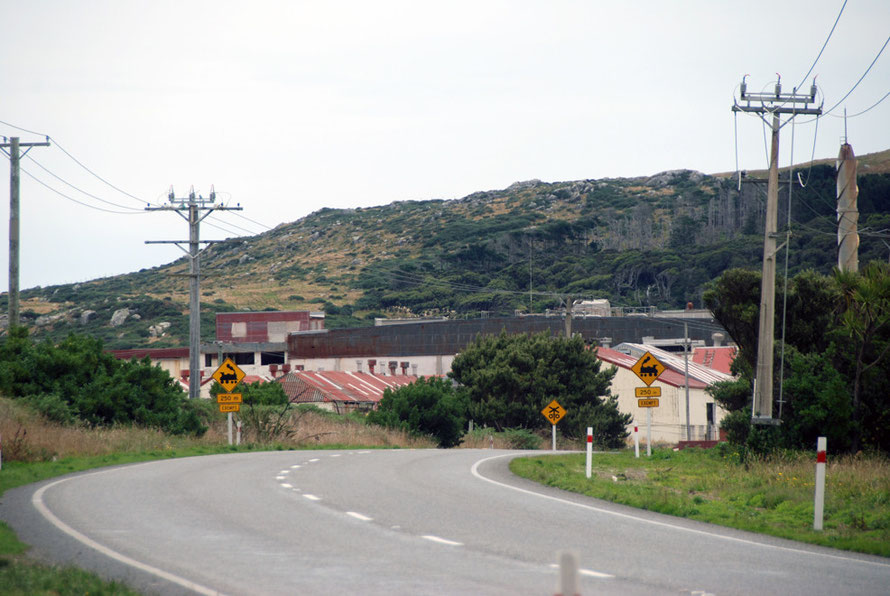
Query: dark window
pixel 208 360
pixel 242 357
pixel 267 358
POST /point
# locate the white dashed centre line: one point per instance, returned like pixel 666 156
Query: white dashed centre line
pixel 587 572
pixel 286 485
pixel 336 454
pixel 313 460
pixel 312 497
pixel 279 478
pixel 358 516
pixel 442 540
pixel 295 466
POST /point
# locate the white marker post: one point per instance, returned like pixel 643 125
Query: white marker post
pixel 238 433
pixel 821 444
pixel 636 442
pixel 568 574
pixel 648 432
pixel 589 448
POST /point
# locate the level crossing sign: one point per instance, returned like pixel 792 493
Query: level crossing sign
pixel 553 412
pixel 648 368
pixel 228 375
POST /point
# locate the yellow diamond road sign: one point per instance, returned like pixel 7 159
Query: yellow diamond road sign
pixel 648 368
pixel 553 412
pixel 228 374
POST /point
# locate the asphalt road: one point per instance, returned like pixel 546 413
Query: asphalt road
pixel 395 522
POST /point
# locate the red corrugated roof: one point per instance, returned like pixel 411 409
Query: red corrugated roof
pixel 717 358
pixel 333 386
pixel 668 377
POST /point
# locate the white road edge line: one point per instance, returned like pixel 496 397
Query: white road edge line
pixel 442 540
pixel 37 501
pixel 475 471
pixel 588 572
pixel 359 516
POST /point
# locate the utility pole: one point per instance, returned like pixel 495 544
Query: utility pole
pixel 569 306
pixel 193 205
pixel 773 104
pixel 14 188
pixel 686 376
pixel 847 210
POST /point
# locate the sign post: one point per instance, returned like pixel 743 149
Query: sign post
pixel 228 375
pixel 648 368
pixel 553 412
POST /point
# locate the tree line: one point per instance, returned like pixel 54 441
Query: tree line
pixel 837 345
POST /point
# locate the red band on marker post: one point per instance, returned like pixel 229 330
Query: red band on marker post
pixel 821 457
pixel 635 429
pixel 590 438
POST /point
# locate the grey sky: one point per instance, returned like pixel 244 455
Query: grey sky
pixel 292 106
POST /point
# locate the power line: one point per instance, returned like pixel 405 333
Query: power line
pixel 77 161
pixel 804 78
pixel 92 196
pixel 73 200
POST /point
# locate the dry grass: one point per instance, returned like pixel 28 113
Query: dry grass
pixel 28 437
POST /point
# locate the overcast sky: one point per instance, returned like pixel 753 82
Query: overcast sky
pixel 291 106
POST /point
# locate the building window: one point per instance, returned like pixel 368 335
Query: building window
pixel 208 360
pixel 242 357
pixel 267 358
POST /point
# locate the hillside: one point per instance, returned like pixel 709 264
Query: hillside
pixel 643 241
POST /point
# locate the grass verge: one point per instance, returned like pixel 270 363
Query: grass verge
pixel 770 496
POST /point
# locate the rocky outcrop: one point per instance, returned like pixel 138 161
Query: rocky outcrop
pixel 87 316
pixel 159 330
pixel 119 316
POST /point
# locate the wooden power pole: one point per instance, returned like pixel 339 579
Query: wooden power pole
pixel 192 205
pixel 15 157
pixel 770 107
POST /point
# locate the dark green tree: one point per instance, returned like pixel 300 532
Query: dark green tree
pixel 429 406
pixel 77 380
pixel 509 379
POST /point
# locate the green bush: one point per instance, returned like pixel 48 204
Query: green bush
pixel 427 406
pixel 77 380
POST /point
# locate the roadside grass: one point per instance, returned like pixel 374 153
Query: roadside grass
pixel 35 449
pixel 772 495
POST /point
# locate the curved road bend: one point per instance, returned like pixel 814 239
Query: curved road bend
pixel 395 522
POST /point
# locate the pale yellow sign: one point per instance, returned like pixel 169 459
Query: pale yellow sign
pixel 228 398
pixel 647 391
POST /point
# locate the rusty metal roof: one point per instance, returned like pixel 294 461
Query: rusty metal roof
pixel 343 387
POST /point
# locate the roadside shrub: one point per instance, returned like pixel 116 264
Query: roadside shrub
pixel 77 380
pixel 522 438
pixel 427 406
